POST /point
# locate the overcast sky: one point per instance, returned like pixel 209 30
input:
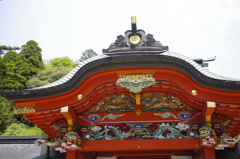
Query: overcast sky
pixel 197 29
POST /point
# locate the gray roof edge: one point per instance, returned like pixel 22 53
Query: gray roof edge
pixel 205 72
pixel 166 53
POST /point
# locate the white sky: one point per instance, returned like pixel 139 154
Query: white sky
pixel 197 29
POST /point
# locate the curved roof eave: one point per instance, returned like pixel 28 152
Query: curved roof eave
pixel 128 59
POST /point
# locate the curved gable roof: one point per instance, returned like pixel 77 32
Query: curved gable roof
pixel 128 59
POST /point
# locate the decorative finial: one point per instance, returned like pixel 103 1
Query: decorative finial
pixel 133 20
pixel 134 24
pixel 134 39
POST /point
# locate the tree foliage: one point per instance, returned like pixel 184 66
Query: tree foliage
pixel 15 70
pixel 48 76
pixel 20 129
pixel 30 62
pixel 61 62
pixel 26 69
pixel 87 54
pixel 9 78
pixel 4 48
pixel 6 114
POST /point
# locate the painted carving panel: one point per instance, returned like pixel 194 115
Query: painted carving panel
pixel 150 102
pixel 115 103
pixel 162 102
pixel 139 131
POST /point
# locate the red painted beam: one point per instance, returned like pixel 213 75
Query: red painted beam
pixel 141 153
pixel 140 145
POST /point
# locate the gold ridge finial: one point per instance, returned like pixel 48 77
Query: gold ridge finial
pixel 133 19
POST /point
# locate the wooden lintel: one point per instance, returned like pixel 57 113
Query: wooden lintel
pixel 141 145
pixel 145 153
pixel 69 114
pixel 208 110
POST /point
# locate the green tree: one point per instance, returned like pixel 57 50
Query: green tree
pixel 61 62
pixel 4 48
pixel 48 76
pixel 20 129
pixel 6 114
pixel 87 54
pixel 30 62
pixel 15 70
pixel 9 78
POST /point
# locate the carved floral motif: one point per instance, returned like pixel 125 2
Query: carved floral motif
pixel 182 126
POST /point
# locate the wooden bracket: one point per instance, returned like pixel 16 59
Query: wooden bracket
pixel 208 111
pixel 70 115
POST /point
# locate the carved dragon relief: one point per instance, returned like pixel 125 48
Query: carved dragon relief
pixel 69 140
pixel 115 103
pixel 225 140
pixel 150 102
pixel 217 137
pixel 162 102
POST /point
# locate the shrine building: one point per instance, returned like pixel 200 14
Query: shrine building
pixel 136 100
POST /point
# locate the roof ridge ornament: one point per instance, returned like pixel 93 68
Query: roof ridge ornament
pixel 135 40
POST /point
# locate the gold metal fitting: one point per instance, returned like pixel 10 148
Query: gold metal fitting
pixel 194 92
pixel 79 96
pixel 138 112
pixel 135 39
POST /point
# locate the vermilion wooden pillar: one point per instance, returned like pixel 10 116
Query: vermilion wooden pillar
pixel 200 154
pixel 206 153
pixel 209 152
pixel 72 154
pixel 84 155
pixel 76 154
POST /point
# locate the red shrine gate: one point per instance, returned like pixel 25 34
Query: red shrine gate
pixel 136 100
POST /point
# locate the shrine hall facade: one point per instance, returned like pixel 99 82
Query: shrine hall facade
pixel 136 100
